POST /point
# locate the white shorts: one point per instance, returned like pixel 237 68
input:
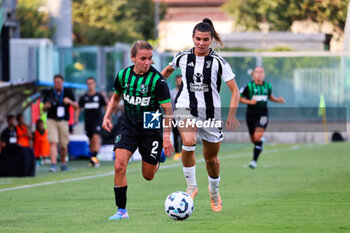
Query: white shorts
pixel 208 130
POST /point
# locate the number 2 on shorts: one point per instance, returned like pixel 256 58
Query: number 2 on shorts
pixel 155 145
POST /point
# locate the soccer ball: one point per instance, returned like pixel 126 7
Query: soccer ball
pixel 178 205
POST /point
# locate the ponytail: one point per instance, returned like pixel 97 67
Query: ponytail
pixel 207 26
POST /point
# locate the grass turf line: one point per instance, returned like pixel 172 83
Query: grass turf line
pixel 298 190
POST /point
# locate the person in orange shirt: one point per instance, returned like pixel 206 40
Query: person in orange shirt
pixel 23 136
pixel 41 144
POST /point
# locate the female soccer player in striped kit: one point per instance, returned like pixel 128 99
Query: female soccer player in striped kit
pixel 198 98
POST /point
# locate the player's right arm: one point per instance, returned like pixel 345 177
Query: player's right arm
pixel 113 102
pixel 167 71
pixel 244 96
pixel 79 109
pixel 246 101
pixel 111 108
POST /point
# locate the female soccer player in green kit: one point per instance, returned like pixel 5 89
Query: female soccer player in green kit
pixel 144 91
pixel 256 93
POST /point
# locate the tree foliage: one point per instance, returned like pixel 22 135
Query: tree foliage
pixel 105 22
pixel 95 22
pixel 33 23
pixel 280 14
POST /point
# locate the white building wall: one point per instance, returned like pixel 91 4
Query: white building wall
pixel 175 36
pixel 259 40
pixel 31 59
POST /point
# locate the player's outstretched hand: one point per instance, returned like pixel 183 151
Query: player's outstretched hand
pixel 107 125
pixel 232 124
pixel 168 147
pixel 280 100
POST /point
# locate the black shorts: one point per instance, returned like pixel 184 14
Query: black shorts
pixel 91 129
pixel 255 121
pixel 149 142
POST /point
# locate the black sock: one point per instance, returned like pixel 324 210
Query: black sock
pixel 94 154
pixel 120 196
pixel 257 150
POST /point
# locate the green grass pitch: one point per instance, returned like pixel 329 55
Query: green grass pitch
pixel 296 188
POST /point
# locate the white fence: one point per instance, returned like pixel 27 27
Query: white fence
pixel 309 83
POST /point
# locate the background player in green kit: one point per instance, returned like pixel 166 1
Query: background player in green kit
pixel 256 94
pixel 143 90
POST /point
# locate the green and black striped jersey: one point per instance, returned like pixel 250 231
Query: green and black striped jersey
pixel 260 93
pixel 141 92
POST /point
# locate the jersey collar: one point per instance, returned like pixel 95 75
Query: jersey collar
pixel 211 51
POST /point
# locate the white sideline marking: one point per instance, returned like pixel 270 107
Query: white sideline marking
pixel 57 181
pixel 296 147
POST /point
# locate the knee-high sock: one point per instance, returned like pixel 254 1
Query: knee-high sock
pixel 120 196
pixel 190 175
pixel 214 184
pixel 257 150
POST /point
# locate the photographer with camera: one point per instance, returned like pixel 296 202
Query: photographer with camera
pixel 56 103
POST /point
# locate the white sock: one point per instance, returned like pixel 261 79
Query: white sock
pixel 213 184
pixel 190 175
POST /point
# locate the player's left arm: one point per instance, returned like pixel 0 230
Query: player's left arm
pixel 272 97
pixel 229 77
pixel 280 99
pixel 163 98
pixel 168 117
pixel 232 123
pixel 103 102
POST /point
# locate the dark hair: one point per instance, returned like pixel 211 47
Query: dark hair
pixel 19 115
pixel 38 122
pixel 207 26
pixel 140 44
pixel 58 76
pixel 10 117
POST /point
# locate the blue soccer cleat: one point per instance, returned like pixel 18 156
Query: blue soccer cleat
pixel 162 157
pixel 52 168
pixel 121 214
pixel 64 168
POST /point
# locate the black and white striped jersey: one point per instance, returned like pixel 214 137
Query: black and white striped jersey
pixel 201 81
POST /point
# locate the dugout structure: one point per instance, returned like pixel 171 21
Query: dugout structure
pixel 17 97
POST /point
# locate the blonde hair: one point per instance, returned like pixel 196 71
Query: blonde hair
pixel 140 44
